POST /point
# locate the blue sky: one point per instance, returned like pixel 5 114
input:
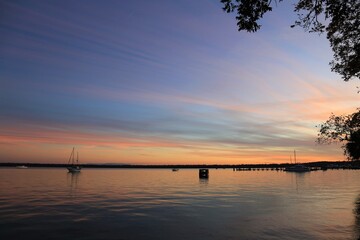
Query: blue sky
pixel 162 82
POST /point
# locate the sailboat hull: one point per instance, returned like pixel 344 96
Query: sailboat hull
pixel 74 169
pixel 297 168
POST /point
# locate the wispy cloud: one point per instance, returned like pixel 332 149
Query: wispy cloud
pixel 176 87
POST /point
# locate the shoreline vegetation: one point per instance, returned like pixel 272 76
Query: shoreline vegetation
pixel 313 165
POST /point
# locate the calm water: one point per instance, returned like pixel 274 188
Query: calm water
pixel 161 204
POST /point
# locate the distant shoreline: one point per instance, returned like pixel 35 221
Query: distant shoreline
pixel 184 166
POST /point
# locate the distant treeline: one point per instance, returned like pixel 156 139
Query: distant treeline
pixel 282 165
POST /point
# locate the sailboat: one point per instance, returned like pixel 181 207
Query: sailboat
pixel 297 167
pixel 22 167
pixel 74 164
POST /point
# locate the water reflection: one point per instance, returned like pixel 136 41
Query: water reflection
pixel 298 178
pixel 72 182
pixel 203 181
pixel 357 218
pixel 155 204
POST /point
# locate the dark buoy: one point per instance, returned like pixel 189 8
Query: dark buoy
pixel 203 173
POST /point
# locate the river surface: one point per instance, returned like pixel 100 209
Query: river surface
pixel 49 203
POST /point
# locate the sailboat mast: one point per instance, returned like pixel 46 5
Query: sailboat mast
pixel 295 156
pixel 71 159
pixel 74 165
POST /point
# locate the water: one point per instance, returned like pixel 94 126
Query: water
pixel 161 204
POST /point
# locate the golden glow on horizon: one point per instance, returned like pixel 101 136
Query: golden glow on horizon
pixel 50 153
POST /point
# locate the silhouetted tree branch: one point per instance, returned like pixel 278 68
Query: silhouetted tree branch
pixel 340 19
pixel 344 129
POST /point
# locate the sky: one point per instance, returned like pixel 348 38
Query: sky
pixel 162 82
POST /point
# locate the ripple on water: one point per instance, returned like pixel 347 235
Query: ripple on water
pixel 158 204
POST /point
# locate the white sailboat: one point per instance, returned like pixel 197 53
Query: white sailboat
pixel 74 164
pixel 22 167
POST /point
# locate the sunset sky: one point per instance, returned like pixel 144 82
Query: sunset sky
pixel 162 82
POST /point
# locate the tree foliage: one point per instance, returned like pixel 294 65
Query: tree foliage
pixel 340 19
pixel 344 129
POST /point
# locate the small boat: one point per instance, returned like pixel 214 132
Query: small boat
pixel 74 166
pixel 203 173
pixel 297 168
pixel 175 169
pixel 22 167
